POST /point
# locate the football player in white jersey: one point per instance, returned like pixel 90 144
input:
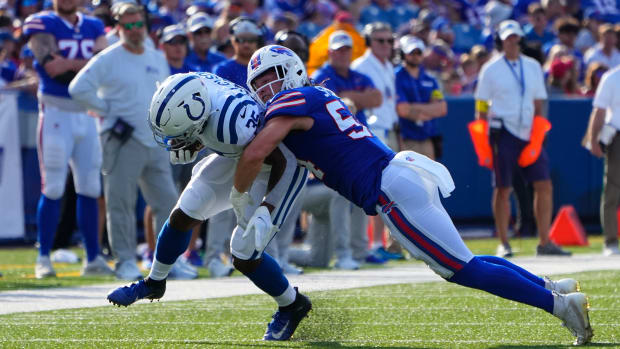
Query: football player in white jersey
pixel 193 111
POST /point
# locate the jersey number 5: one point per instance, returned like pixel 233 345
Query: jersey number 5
pixel 345 121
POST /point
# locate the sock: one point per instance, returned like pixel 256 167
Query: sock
pixel 171 243
pixel 504 282
pixel 87 213
pixel 268 277
pixel 526 274
pixel 48 214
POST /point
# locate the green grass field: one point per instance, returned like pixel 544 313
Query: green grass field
pixel 17 264
pixel 430 315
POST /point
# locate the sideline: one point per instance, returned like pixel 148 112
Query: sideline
pixel 94 295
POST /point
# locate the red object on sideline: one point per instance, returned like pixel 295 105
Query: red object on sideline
pixel 479 132
pixel 531 152
pixel 567 229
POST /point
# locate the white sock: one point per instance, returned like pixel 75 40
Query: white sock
pixel 286 298
pixel 159 270
pixel 376 245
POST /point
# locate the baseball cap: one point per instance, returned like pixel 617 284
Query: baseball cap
pixel 199 21
pixel 339 39
pixel 509 27
pixel 408 43
pixel 172 31
pixel 246 26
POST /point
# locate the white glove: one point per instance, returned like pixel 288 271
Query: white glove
pixel 240 202
pixel 182 156
pixel 260 224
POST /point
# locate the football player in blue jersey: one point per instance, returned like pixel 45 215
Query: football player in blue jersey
pixel 193 111
pixel 62 42
pixel 402 188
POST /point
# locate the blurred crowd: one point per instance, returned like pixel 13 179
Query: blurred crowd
pixel 576 41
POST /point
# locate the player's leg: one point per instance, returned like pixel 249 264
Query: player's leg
pixel 264 271
pixel 54 148
pixel 86 165
pixel 423 227
pixel 205 195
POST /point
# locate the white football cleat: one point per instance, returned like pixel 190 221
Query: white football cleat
pixel 43 268
pixel 564 286
pixel 572 309
pixel 97 267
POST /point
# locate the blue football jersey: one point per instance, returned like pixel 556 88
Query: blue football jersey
pixel 338 149
pixel 198 65
pixel 73 41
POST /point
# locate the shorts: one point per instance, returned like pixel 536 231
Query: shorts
pixel 506 151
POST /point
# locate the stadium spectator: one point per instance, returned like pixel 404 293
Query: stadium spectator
pixel 437 60
pixel 593 77
pixel 319 18
pixel 480 54
pixel 375 63
pixel 469 78
pixel 419 101
pixel 588 34
pixel 605 51
pixel 387 11
pixel 282 21
pixel 174 46
pixel 200 57
pixel 247 37
pixel 118 84
pixel 605 142
pixel 537 30
pixel 567 29
pixel 510 92
pixel 68 135
pixel 563 76
pixel 554 9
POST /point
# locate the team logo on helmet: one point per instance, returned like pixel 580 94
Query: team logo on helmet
pixel 282 50
pixel 255 63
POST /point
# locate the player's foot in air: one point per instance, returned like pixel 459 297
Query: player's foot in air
pixel 572 309
pixel 146 288
pixel 286 319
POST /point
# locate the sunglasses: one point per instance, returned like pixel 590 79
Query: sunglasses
pixel 202 31
pixel 246 40
pixel 130 26
pixel 384 41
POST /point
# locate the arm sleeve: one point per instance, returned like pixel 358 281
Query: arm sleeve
pixel 604 93
pixel 84 86
pixel 541 90
pixel 484 87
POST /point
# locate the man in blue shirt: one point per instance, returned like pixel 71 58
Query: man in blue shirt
pixel 174 44
pixel 200 58
pixel 246 38
pixel 538 29
pixel 419 100
pixel 345 82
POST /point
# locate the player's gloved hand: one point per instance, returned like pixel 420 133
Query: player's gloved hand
pixel 182 156
pixel 240 201
pixel 260 224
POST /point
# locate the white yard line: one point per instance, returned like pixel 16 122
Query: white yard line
pixel 93 296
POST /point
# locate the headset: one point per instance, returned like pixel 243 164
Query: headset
pixel 261 27
pixel 283 35
pixel 374 27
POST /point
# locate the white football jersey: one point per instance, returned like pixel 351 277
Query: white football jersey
pixel 235 117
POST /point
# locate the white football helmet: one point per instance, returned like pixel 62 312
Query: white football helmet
pixel 287 65
pixel 179 111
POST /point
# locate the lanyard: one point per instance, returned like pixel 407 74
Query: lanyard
pixel 520 79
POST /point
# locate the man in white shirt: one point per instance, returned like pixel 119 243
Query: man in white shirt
pixel 604 125
pixel 375 63
pixel 605 51
pixel 118 84
pixel 510 91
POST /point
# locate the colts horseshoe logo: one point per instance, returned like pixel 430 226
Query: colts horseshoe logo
pixel 196 97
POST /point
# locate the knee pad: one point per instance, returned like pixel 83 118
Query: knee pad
pixel 89 184
pixel 54 190
pixel 245 266
pixel 197 200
